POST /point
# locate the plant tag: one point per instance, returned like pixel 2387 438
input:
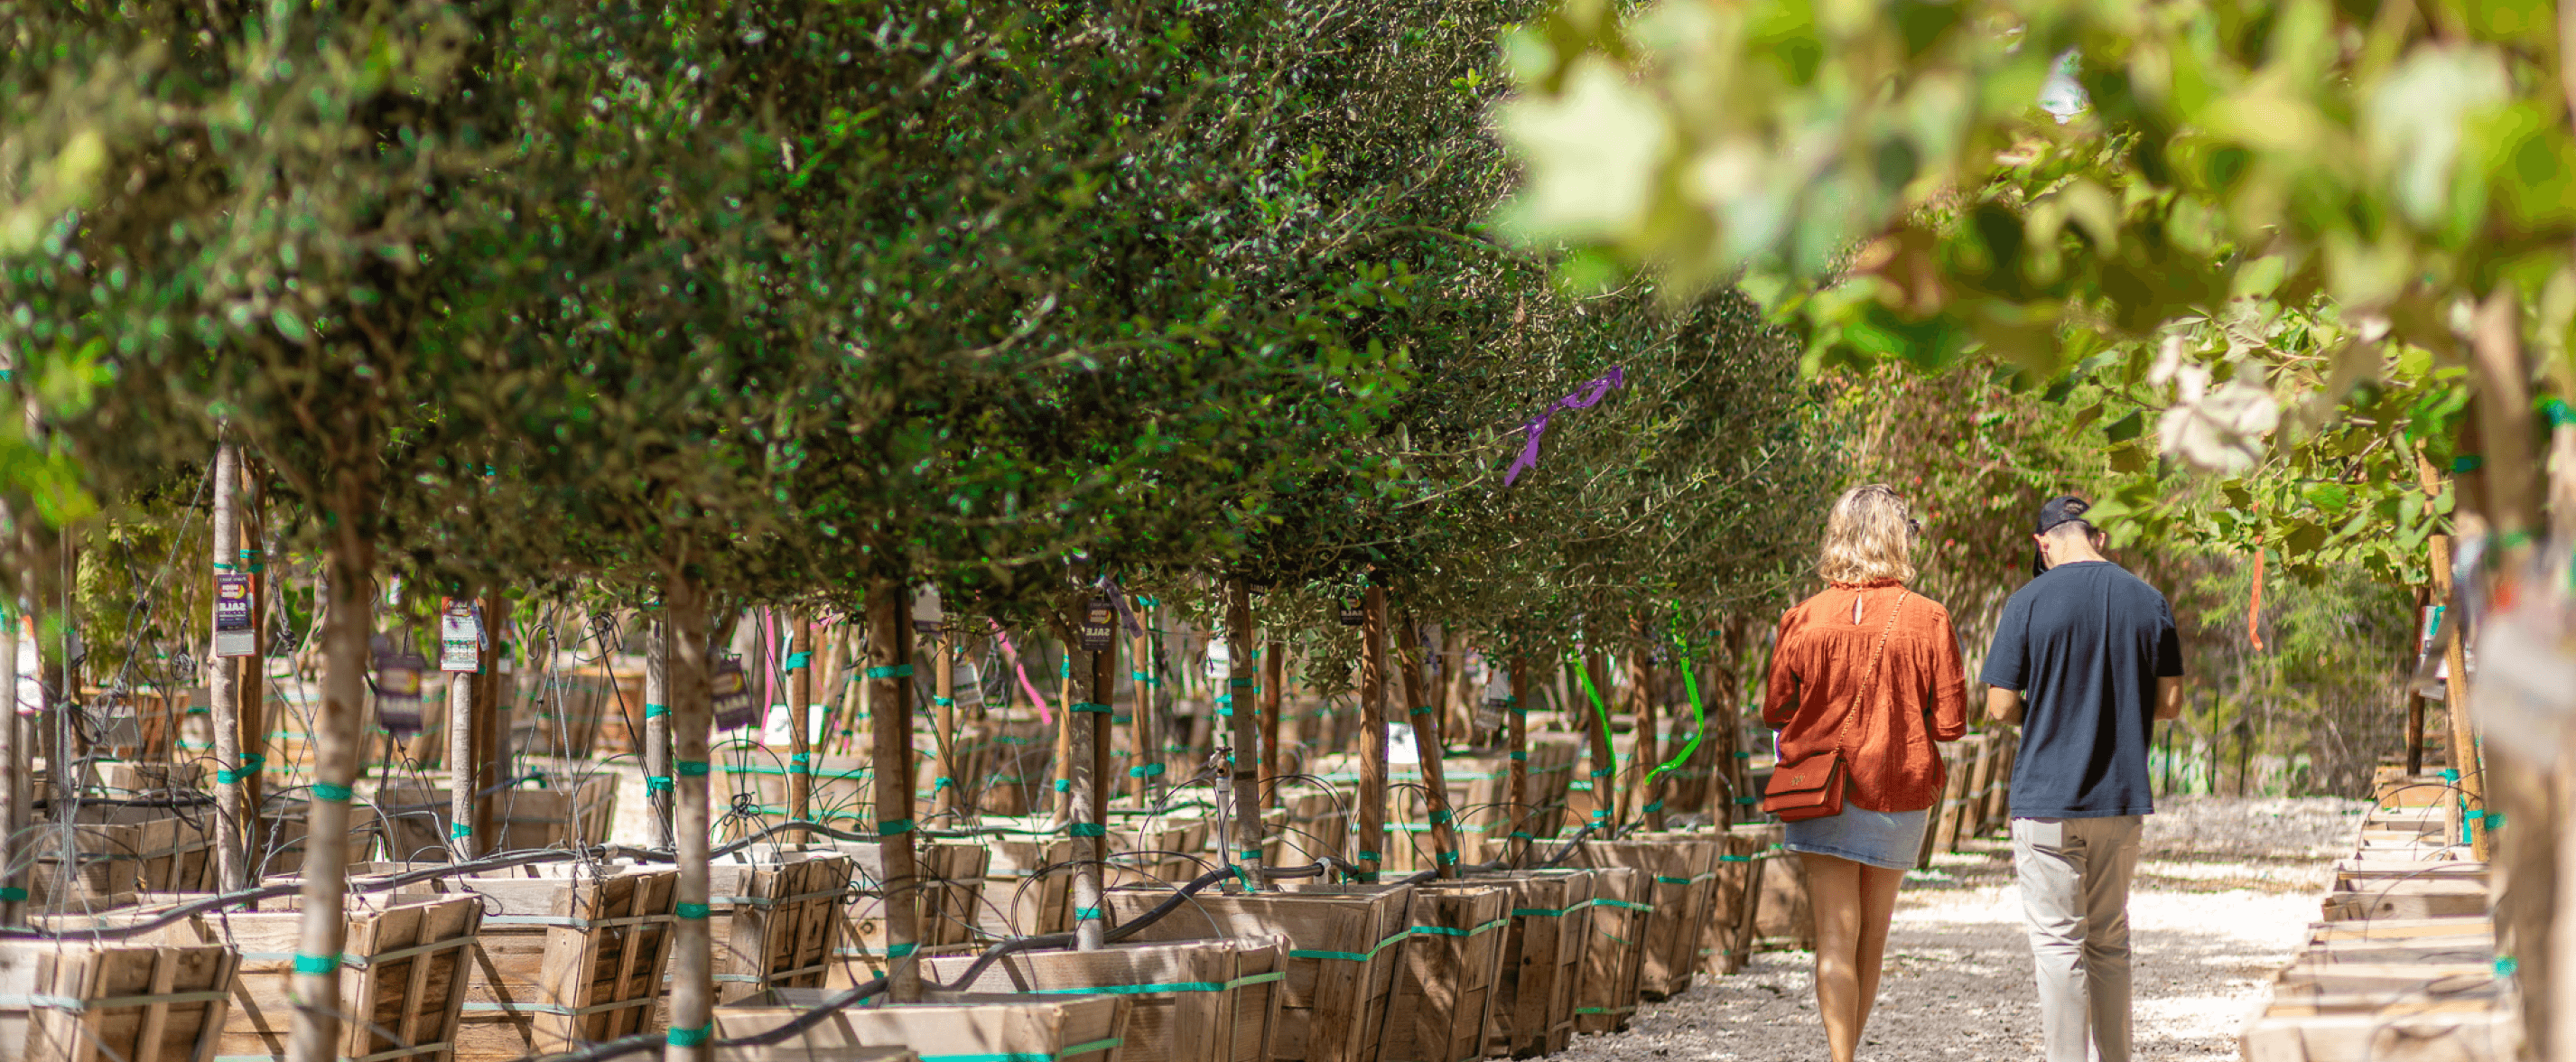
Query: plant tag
pixel 732 688
pixel 233 625
pixel 397 684
pixel 926 614
pixel 1099 625
pixel 1353 616
pixel 460 635
pixel 1220 659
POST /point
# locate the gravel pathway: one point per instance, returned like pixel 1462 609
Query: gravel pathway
pixel 2225 891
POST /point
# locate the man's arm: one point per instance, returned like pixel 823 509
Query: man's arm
pixel 2003 705
pixel 2168 698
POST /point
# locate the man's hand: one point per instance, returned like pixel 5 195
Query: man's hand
pixel 2168 698
pixel 2003 705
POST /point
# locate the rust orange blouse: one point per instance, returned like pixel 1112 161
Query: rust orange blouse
pixel 1918 696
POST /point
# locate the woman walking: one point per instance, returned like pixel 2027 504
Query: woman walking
pixel 1865 677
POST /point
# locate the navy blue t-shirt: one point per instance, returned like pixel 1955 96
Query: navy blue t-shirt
pixel 2084 642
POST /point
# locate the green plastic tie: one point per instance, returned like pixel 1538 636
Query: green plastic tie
pixel 1439 816
pixel 1424 710
pixel 1240 683
pixel 893 827
pixel 691 911
pixel 1366 856
pixel 942 782
pixel 897 671
pixel 1734 859
pixel 317 964
pixel 2504 964
pixel 332 791
pixel 938 701
pixel 899 951
pixel 1064 785
pixel 2558 413
pixel 691 768
pixel 658 783
pixel 251 762
pixel 1448 859
pixel 1087 829
pixel 1096 709
pixel 799 661
pixel 2466 463
pixel 679 1037
pixel 12 893
pixel 460 829
pixel 1089 914
pixel 1520 757
pixel 652 710
pixel 1151 770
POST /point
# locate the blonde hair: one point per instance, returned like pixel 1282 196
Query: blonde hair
pixel 1868 537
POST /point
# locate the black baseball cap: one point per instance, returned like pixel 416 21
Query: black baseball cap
pixel 2064 508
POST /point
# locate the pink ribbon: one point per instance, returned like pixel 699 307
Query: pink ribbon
pixel 1012 653
pixel 1584 397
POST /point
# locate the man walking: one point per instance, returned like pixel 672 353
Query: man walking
pixel 2084 660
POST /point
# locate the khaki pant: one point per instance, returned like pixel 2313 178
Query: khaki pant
pixel 2074 876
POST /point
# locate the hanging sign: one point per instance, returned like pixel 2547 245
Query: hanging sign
pixel 460 635
pixel 1353 616
pixel 233 623
pixel 1498 686
pixel 1099 625
pixel 397 684
pixel 1220 660
pixel 926 613
pixel 732 688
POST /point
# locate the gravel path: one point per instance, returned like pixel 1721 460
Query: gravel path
pixel 2225 890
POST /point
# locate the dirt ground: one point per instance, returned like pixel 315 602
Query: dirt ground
pixel 2225 888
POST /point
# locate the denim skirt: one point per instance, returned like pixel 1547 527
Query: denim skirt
pixel 1889 839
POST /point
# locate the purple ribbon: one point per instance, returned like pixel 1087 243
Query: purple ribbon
pixel 1584 397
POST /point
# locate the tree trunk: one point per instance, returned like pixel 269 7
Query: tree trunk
pixel 1516 739
pixel 491 722
pixel 889 677
pixel 1245 765
pixel 250 697
pixel 800 700
pixel 1372 794
pixel 657 725
pixel 15 761
pixel 336 750
pixel 463 775
pixel 223 678
pixel 2414 701
pixel 1645 788
pixel 1425 717
pixel 692 724
pixel 1083 728
pixel 1104 730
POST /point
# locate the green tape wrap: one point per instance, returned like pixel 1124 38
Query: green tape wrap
pixel 1089 914
pixel 1239 683
pixel 332 791
pixel 658 783
pixel 1151 770
pixel 897 671
pixel 690 768
pixel 251 762
pixel 799 661
pixel 317 964
pixel 12 893
pixel 679 1037
pixel 900 951
pixel 652 710
pixel 1096 709
pixel 938 701
pixel 693 911
pixel 1086 829
pixel 1064 785
pixel 1366 856
pixel 460 829
pixel 893 827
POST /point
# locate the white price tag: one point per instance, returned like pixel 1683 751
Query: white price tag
pixel 460 636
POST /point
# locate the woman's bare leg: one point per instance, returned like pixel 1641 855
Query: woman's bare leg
pixel 1834 893
pixel 1878 887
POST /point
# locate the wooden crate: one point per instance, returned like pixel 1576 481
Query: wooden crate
pixel 1542 961
pixel 279 847
pixel 129 779
pixel 570 958
pixel 1726 939
pixel 949 896
pixel 135 724
pixel 1607 994
pixel 1342 957
pixel 114 1003
pixel 968 1028
pixel 1444 998
pixel 1680 870
pixel 774 921
pixel 2408 898
pixel 404 966
pixel 754 790
pixel 123 850
pixel 1195 1001
pixel 568 809
pixel 1999 794
pixel 2474 1023
pixel 1784 919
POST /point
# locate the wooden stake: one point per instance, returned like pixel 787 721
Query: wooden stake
pixel 1425 718
pixel 1083 728
pixel 250 696
pixel 800 710
pixel 889 677
pixel 232 856
pixel 948 794
pixel 15 760
pixel 1274 674
pixel 2455 701
pixel 1245 765
pixel 1372 794
pixel 491 722
pixel 1104 684
pixel 2415 701
pixel 692 725
pixel 462 775
pixel 1144 728
pixel 1516 739
pixel 337 747
pixel 657 725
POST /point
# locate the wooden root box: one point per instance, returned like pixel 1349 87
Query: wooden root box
pixel 1680 873
pixel 1029 884
pixel 569 958
pixel 945 906
pixel 1726 935
pixel 1543 955
pixel 405 966
pixel 971 1028
pixel 578 808
pixel 114 1003
pixel 1343 956
pixel 1608 994
pixel 2387 1018
pixel 775 920
pixel 125 849
pixel 1195 1001
pixel 1443 1006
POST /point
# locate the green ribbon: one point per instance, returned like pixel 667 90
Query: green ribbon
pixel 938 701
pixel 1089 914
pixel 12 893
pixel 1098 709
pixel 692 911
pixel 679 1037
pixel 652 710
pixel 1151 770
pixel 893 827
pixel 691 768
pixel 658 783
pixel 897 671
pixel 317 964
pixel 899 951
pixel 460 830
pixel 799 661
pixel 1086 829
pixel 332 791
